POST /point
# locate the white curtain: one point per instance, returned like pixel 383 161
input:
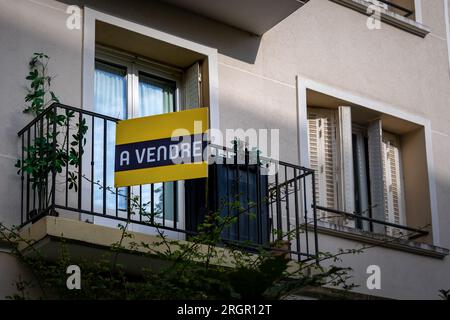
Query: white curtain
pixel 110 99
pixel 155 98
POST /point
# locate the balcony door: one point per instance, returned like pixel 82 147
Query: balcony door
pixel 127 89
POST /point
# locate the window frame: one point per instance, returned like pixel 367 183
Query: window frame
pixel 132 66
pixel 334 115
pixel 304 85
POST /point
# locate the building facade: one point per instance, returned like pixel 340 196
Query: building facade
pixel 357 89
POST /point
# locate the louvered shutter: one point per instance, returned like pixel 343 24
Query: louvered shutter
pixel 192 87
pixel 322 153
pixel 393 186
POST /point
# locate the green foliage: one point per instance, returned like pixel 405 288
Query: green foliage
pixel 201 268
pixel 47 153
pixel 39 94
pixel 444 294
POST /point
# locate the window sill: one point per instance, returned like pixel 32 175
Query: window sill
pixel 388 17
pixel 382 240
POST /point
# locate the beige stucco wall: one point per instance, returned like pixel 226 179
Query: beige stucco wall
pixel 27 27
pixel 322 41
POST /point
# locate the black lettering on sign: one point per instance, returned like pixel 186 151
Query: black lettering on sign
pixel 161 152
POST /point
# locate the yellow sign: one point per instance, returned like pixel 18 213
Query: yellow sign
pixel 165 147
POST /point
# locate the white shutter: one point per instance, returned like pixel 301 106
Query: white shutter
pixel 192 87
pixel 322 153
pixel 345 170
pixel 374 134
pixel 393 186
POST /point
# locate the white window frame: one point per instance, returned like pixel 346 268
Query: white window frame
pixel 418 11
pixel 133 66
pixel 304 84
pixel 90 16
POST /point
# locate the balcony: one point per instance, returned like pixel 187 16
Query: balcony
pixel 271 207
pixel 275 200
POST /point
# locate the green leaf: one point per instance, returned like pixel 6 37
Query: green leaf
pixel 54 97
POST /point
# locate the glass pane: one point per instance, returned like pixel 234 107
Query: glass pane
pixel 157 96
pixel 110 98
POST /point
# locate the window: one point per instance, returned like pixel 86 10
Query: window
pixel 402 7
pixel 393 182
pixel 128 88
pixel 402 14
pixel 358 169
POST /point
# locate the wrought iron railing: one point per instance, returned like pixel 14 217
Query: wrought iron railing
pixel 373 225
pixel 276 199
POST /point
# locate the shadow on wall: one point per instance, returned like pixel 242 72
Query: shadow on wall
pixel 443 190
pixel 256 118
pixel 229 41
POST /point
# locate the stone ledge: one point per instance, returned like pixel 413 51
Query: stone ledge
pixel 388 17
pixel 410 246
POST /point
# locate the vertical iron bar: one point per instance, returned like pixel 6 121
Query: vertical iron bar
pixel 53 204
pixel 129 203
pixel 247 155
pixel 46 177
pixel 237 181
pixel 117 203
pixel 228 199
pixel 33 187
pixel 278 206
pixel 140 202
pixel 164 203
pixel 67 155
pixel 297 225
pixel 306 215
pixel 104 163
pixel 80 156
pixel 28 175
pixel 270 226
pixel 258 201
pixel 287 201
pixel 316 240
pixel 117 196
pixel 22 180
pixel 92 162
pixel 41 155
pixel 152 199
pixel 175 206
